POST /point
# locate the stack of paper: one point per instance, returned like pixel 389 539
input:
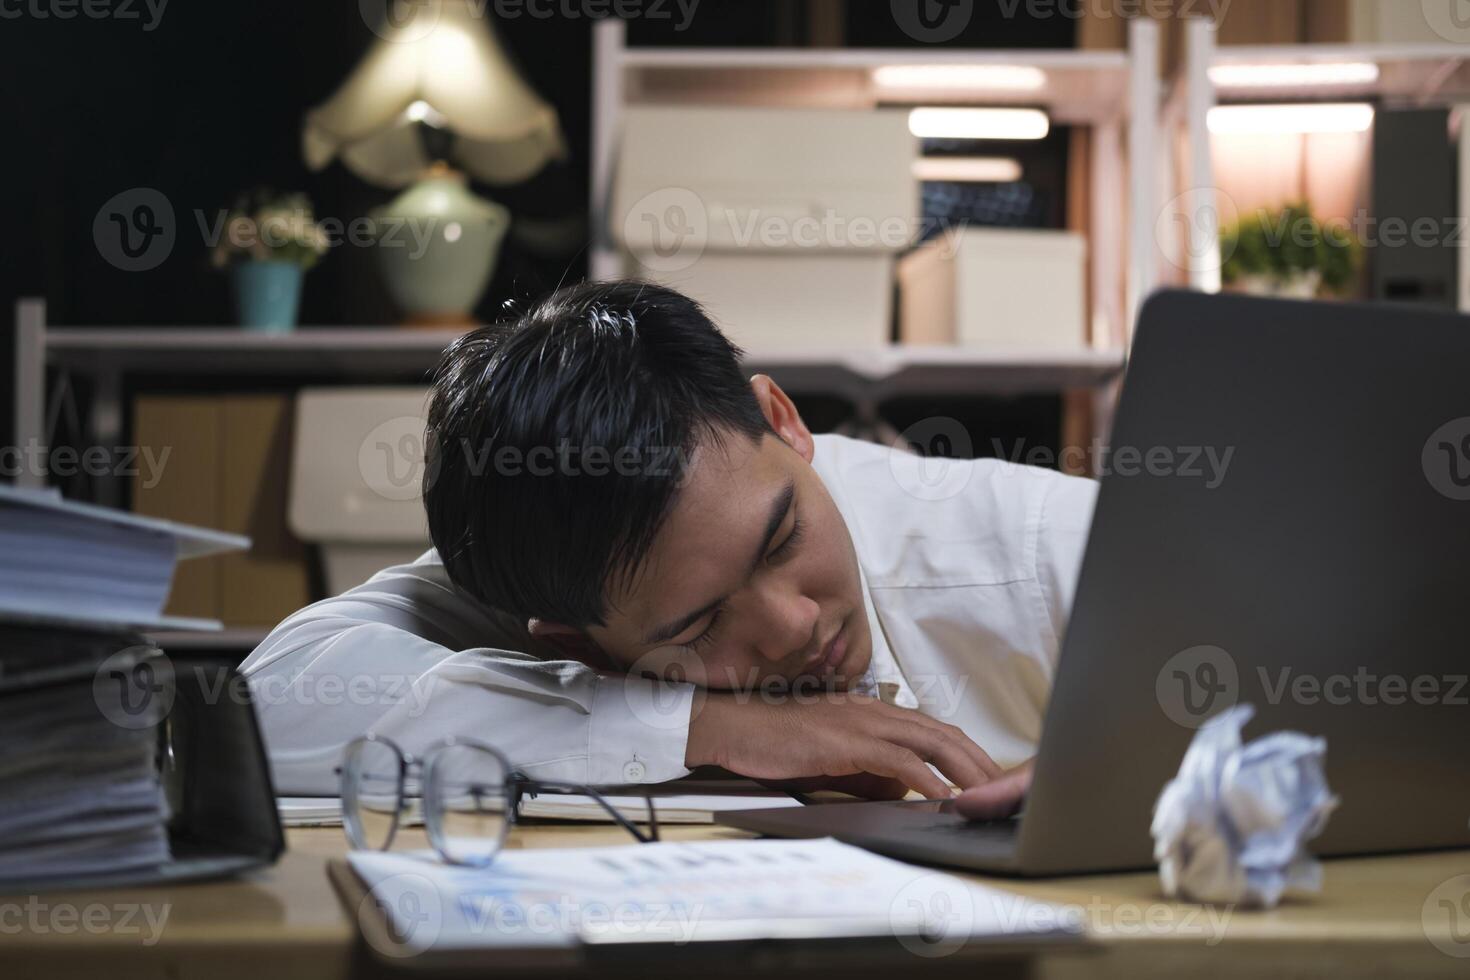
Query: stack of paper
pixel 82 697
pixel 62 560
pixel 79 791
pixel 687 892
pixel 681 802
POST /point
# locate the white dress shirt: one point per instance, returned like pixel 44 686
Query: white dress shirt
pixel 968 571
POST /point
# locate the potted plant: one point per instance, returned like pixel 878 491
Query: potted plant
pixel 269 242
pixel 1288 253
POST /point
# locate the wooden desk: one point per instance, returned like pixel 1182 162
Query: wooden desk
pixel 1378 917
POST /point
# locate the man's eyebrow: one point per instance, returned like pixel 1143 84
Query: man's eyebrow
pixel 780 506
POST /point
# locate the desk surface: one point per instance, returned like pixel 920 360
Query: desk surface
pixel 1391 916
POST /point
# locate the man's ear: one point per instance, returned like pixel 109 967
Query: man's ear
pixel 571 643
pixel 778 409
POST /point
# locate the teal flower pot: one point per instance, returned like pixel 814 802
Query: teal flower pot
pixel 267 295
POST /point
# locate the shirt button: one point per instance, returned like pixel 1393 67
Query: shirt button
pixel 634 772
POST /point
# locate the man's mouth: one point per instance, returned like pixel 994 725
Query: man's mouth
pixel 824 662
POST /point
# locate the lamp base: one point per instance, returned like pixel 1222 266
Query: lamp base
pixel 440 321
pixel 437 247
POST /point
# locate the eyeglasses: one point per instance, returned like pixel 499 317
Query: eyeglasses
pixel 471 797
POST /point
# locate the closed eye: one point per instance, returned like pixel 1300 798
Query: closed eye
pixel 708 636
pixel 783 550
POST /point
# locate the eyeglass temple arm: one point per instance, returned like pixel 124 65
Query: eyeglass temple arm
pixel 533 786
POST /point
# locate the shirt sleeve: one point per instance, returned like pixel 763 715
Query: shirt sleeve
pixel 409 657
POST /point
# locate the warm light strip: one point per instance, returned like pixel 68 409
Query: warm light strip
pixel 968 169
pixel 1010 78
pixel 978 124
pixel 1335 117
pixel 1294 76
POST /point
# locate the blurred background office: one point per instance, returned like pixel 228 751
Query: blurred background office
pixel 239 234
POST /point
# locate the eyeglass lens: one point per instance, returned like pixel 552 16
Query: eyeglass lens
pixel 371 793
pixel 465 802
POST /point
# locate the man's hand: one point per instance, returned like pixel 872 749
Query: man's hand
pixel 833 734
pixel 863 784
pixel 999 798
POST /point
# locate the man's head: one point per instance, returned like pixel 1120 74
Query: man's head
pixel 600 466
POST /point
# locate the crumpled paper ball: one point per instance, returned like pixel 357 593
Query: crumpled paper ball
pixel 1232 827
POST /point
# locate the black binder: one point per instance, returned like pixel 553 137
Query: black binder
pixel 212 760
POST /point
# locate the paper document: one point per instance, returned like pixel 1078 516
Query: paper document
pixel 69 562
pixel 690 892
pixel 698 804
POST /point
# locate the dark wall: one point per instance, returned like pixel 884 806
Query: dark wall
pixel 206 104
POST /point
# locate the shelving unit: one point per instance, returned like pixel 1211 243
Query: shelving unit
pixel 106 356
pixel 1408 75
pixel 1116 93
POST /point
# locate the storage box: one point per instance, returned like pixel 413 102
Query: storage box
pixel 222 464
pixel 784 222
pixel 356 479
pixel 772 301
pixel 994 287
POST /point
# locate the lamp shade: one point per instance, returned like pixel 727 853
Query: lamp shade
pixel 440 62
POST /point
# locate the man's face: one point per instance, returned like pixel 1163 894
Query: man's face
pixel 752 576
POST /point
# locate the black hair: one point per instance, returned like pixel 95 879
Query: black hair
pixel 626 374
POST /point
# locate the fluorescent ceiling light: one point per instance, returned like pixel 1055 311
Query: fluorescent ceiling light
pixel 978 124
pixel 1294 76
pixel 1320 117
pixel 1009 78
pixel 969 169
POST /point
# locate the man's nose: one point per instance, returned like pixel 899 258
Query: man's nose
pixel 789 624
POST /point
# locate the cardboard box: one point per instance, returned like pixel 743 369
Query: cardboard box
pixel 771 301
pixel 996 287
pixel 270 581
pixel 783 222
pixel 356 479
pixel 182 433
pixel 226 467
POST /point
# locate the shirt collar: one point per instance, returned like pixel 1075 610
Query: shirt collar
pixel 884 678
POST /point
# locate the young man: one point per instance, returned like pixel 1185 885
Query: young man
pixel 644 563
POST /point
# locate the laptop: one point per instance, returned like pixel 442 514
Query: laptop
pixel 1322 574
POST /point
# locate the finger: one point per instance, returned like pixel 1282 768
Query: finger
pixel 997 799
pixel 955 734
pixel 869 786
pixel 886 759
pixel 863 784
pixel 989 766
pixel 938 747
